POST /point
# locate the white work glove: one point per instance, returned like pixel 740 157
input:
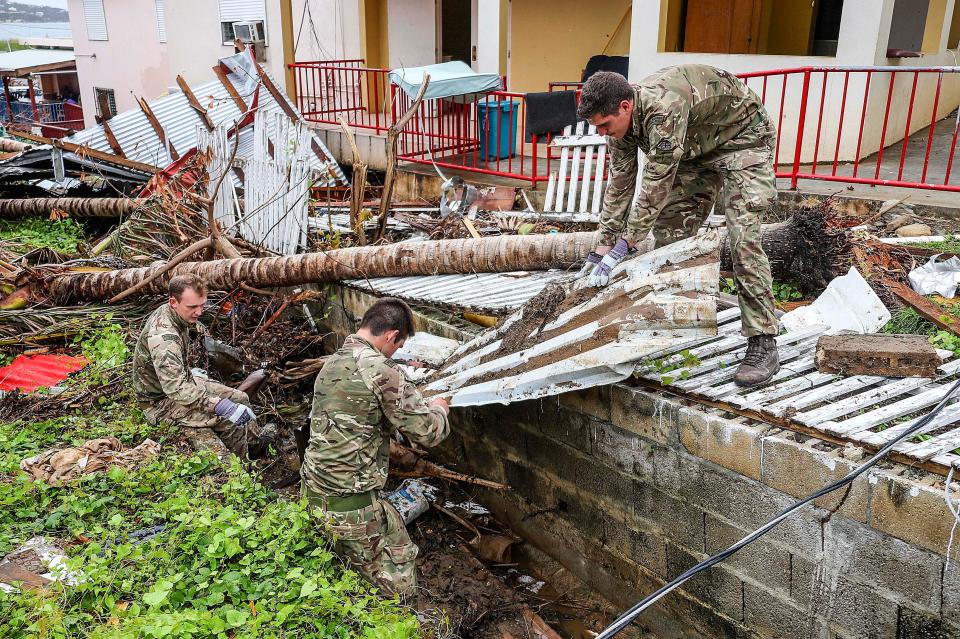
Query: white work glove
pixel 236 413
pixel 587 269
pixel 601 274
pixel 199 373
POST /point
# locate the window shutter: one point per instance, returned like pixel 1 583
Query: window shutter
pixel 240 10
pixel 95 18
pixel 161 20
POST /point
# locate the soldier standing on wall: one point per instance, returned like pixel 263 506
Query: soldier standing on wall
pixel 707 139
pixel 359 399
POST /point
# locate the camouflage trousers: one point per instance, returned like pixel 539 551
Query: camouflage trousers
pixel 236 438
pixel 374 541
pixel 743 185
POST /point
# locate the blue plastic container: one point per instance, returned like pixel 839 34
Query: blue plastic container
pixel 497 123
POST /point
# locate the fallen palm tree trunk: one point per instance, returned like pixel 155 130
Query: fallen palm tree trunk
pixel 486 255
pixel 72 206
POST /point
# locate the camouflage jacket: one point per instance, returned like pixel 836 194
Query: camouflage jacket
pixel 359 398
pixel 160 366
pixel 680 113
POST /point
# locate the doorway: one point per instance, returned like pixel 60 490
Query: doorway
pixel 455 31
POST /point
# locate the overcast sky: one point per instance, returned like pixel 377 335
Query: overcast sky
pixel 49 3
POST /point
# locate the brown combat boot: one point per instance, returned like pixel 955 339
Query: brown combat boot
pixel 251 385
pixel 760 363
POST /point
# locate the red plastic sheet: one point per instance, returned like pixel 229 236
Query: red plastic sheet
pixel 30 372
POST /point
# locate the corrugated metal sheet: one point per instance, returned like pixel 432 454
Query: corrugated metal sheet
pixel 161 10
pixel 654 301
pixel 179 121
pixel 494 293
pixel 30 372
pixel 26 58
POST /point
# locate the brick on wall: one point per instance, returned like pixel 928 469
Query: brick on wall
pixel 722 441
pixel 910 511
pixel 637 411
pixel 762 560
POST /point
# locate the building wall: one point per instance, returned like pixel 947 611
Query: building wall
pixel 330 29
pixel 553 41
pixel 412 33
pixel 864 30
pixel 132 61
pixel 628 489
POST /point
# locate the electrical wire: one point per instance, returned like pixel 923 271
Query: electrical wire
pixel 624 620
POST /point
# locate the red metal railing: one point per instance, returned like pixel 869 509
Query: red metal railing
pixel 874 125
pixel 343 88
pixel 858 111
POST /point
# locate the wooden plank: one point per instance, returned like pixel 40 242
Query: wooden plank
pixel 580 139
pixel 598 180
pixel 195 103
pixel 947 416
pixel 11 573
pixel 731 392
pixel 586 180
pixel 870 397
pixel 924 307
pixel 726 371
pixel 231 90
pixel 88 152
pixel 112 139
pixel 942 443
pixel 551 186
pixel 562 176
pixel 840 387
pixel 886 413
pixel 761 397
pixel 158 129
pixel 572 190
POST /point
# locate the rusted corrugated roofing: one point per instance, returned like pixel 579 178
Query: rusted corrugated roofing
pixel 30 372
pixel 179 121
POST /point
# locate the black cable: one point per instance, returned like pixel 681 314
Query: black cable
pixel 627 617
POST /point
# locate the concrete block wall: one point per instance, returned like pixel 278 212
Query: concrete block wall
pixel 628 488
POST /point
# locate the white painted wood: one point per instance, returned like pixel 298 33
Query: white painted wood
pixel 562 175
pixel 586 180
pixel 598 180
pixel 587 139
pixel 928 397
pixel 551 187
pixel 730 392
pixel 823 393
pixel 948 415
pixel 572 190
pixel 871 397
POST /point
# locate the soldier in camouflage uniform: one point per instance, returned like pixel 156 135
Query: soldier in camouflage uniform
pixel 707 139
pixel 167 389
pixel 359 399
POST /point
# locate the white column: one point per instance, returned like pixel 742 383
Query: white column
pixel 489 23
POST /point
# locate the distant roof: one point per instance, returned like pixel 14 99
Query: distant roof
pixel 32 60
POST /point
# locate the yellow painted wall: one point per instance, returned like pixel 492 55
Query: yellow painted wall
pixel 789 31
pixel 373 32
pixel 554 40
pixel 954 40
pixel 670 25
pixel 936 15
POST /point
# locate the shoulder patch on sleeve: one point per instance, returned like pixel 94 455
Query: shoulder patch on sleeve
pixel 657 120
pixel 665 144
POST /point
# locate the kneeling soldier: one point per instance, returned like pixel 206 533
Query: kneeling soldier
pixel 359 399
pixel 169 392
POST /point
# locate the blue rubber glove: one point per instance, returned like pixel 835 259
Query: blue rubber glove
pixel 601 274
pixel 236 413
pixel 592 260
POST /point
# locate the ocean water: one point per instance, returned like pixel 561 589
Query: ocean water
pixel 14 30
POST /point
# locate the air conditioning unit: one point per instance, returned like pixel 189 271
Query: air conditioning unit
pixel 252 34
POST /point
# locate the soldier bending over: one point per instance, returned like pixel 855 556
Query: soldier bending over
pixel 707 140
pixel 359 399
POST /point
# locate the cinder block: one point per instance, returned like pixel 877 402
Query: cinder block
pixel 951 589
pixel 860 610
pixel 911 511
pixel 678 521
pixel 567 426
pixel 533 486
pixel 770 615
pixel 761 561
pixel 582 513
pixel 879 354
pixel 594 401
pixel 914 624
pixel 724 442
pixel 717 586
pixel 638 411
pixel 477 456
pixel 623 450
pixel 745 503
pixel 553 457
pixel 649 549
pixel 606 485
pixel 912 575
pixel 799 469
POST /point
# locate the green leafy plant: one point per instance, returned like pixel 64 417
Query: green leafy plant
pixel 662 366
pixel 786 292
pixel 64 236
pixel 728 285
pixel 105 347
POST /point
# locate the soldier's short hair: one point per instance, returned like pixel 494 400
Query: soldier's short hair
pixel 389 314
pixel 602 94
pixel 180 283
